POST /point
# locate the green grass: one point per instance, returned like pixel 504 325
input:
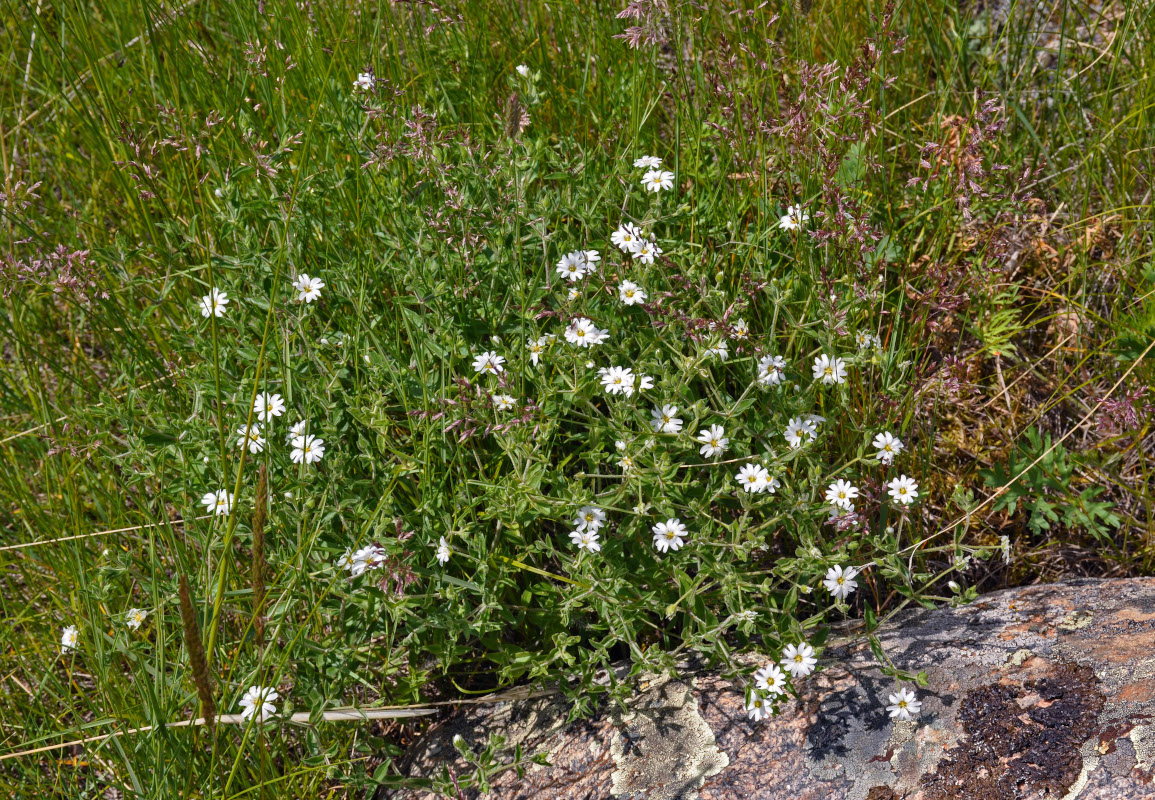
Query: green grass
pixel 223 146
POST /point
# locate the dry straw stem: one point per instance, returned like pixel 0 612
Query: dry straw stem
pixel 100 533
pixel 306 718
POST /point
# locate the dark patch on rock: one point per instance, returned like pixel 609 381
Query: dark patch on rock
pixel 1023 739
pixel 882 793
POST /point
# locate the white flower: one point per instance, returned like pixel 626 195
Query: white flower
pixel 618 380
pixel 258 703
pixel 536 348
pixel 135 618
pixel 840 582
pixel 770 679
pixel 721 350
pixel 584 333
pixel 267 406
pixel 770 484
pixel 626 237
pixel 740 330
pixel 644 382
pixel 841 493
pixel 573 294
pixel 626 463
pixel 586 540
pixel 714 441
pixel 490 362
pixel 589 518
pixel 646 251
pixel 770 370
pixel 752 478
pixel 665 419
pixel 297 429
pixel 798 429
pixel 368 557
pixel 888 446
pixel 523 70
pixel 794 218
pixel 251 438
pixel 630 293
pixel 799 660
pixel 669 535
pixel 867 340
pixel 903 489
pixel 213 304
pixel 904 705
pixel 829 370
pixel 656 180
pixel 504 402
pixel 307 449
pixel 308 289
pixel 443 552
pixel 364 82
pixel 572 266
pixel 346 560
pixel 648 162
pixel 592 257
pixel 68 638
pixel 757 709
pixel 218 503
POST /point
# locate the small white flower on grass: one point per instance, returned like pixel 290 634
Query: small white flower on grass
pixel 219 503
pixel 740 330
pixel 618 380
pixel 770 484
pixel 368 557
pixel 626 463
pixel 665 419
pixel 504 402
pixel 799 660
pixel 669 535
pixel 644 382
pixel 573 294
pixel 840 582
pixel 443 552
pixel 841 493
pixel 536 349
pixel 626 237
pixel 135 618
pixel 829 370
pixel 771 370
pixel 720 351
pixel 586 540
pixel 646 252
pixel 648 162
pixel 308 289
pixel 770 679
pixel 714 441
pixel 295 430
pixel 213 304
pixel 268 406
pixel 523 70
pixel 903 489
pixel 657 180
pixel 866 341
pixel 346 560
pixel 904 705
pixel 307 449
pixel 630 293
pixel 798 430
pixel 589 518
pixel 68 639
pixel 584 333
pixel 257 703
pixel 752 478
pixel 490 362
pixel 251 438
pixel 364 82
pixel 793 219
pixel 888 446
pixel 572 266
pixel 758 708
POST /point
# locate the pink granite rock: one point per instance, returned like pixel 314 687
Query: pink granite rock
pixel 1038 692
